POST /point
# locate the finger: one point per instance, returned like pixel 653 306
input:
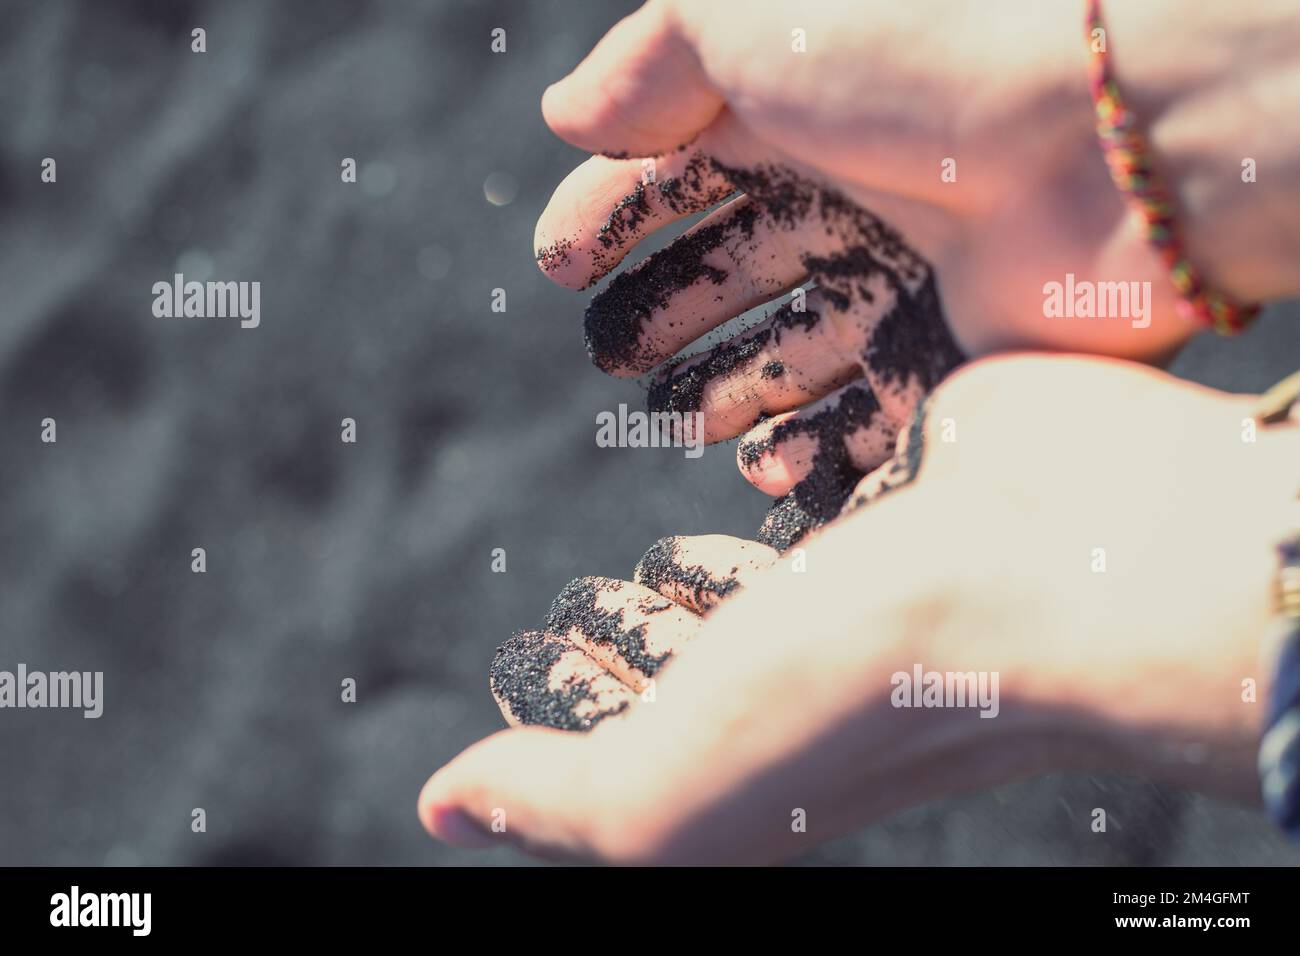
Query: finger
pixel 901 468
pixel 542 679
pixel 640 92
pixel 815 501
pixel 530 787
pixel 780 452
pixel 708 775
pixel 864 266
pixel 784 362
pixel 732 260
pixel 606 206
pixel 700 571
pixel 628 629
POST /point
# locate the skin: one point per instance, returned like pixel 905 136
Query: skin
pixel 984 561
pixel 871 109
pixel 781 701
pixel 676 583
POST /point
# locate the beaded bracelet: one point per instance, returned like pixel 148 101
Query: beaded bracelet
pixel 1279 747
pixel 1128 156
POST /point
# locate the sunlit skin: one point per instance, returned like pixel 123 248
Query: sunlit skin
pixel 985 562
pixel 779 698
pixel 879 100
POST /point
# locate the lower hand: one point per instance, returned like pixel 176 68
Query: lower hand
pixel 1067 528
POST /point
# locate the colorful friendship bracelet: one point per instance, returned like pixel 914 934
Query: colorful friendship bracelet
pixel 1128 156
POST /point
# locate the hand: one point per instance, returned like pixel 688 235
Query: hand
pixel 605 640
pixel 838 154
pixel 986 561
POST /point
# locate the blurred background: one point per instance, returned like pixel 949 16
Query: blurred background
pixel 326 560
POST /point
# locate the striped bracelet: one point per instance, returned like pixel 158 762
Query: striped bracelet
pixel 1128 156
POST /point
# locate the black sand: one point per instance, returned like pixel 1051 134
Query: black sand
pixel 901 469
pixel 576 608
pixel 820 497
pixel 662 564
pixel 521 675
pixel 615 318
pixel 911 344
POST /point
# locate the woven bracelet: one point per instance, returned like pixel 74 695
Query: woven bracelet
pixel 1128 156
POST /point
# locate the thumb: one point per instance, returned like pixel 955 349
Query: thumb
pixel 640 92
pixel 529 787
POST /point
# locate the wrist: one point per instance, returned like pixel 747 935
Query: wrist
pixel 1182 695
pixel 1212 88
pixel 1161 666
